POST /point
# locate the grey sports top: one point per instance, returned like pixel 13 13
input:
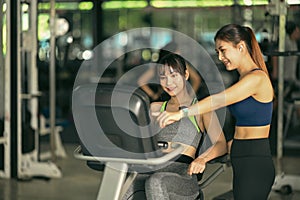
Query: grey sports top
pixel 185 131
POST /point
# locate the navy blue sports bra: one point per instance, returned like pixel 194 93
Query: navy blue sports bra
pixel 251 112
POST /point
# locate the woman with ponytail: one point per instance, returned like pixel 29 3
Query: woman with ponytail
pixel 250 100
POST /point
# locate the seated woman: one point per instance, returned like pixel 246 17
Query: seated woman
pixel 179 179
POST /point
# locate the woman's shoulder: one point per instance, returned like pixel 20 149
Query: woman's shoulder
pixel 264 89
pixel 256 77
pixel 156 106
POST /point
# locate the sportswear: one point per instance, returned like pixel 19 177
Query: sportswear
pixel 253 169
pixel 185 131
pixel 250 112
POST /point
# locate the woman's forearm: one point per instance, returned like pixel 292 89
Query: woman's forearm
pixel 218 149
pixel 208 104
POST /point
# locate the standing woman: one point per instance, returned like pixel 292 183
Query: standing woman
pixel 250 100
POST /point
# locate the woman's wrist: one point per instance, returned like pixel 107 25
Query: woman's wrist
pixel 184 112
pixel 202 159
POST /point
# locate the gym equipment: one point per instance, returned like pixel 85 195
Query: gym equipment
pixel 288 100
pixel 59 149
pixel 25 96
pixel 114 128
pixel 5 134
pixel 279 8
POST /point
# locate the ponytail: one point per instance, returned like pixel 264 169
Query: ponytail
pixel 255 52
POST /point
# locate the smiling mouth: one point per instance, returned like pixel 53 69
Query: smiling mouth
pixel 170 89
pixel 225 63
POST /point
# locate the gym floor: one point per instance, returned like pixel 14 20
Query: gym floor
pixel 79 182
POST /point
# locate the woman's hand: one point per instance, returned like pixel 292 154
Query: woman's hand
pixel 197 166
pixel 165 118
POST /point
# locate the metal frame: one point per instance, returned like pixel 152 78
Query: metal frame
pixel 279 8
pixel 114 175
pixel 5 140
pixel 28 164
pixel 59 150
pixel 116 169
pixel 291 106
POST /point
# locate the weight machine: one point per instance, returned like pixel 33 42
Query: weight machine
pixel 282 180
pixel 5 91
pixel 25 95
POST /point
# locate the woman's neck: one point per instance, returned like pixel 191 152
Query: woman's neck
pixel 182 99
pixel 246 67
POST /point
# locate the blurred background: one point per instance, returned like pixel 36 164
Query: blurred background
pixel 44 43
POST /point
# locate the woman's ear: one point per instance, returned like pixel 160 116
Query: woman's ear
pixel 187 74
pixel 241 46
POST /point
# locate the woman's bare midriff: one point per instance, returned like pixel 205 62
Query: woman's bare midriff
pixel 249 132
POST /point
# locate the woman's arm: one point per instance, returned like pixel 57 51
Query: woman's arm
pixel 229 143
pixel 218 148
pixel 249 85
pixel 154 108
pixel 143 82
pixel 194 78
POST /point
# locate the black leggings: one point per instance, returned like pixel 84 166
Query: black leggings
pixel 253 169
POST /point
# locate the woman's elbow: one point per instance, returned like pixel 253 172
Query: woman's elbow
pixel 222 147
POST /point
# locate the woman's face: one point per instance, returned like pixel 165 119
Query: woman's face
pixel 228 54
pixel 172 81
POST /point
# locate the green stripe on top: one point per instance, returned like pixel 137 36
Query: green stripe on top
pixel 192 118
pixel 163 106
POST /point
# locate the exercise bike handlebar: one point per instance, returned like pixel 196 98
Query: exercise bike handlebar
pixel 178 149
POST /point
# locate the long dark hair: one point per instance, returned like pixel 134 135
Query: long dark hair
pixel 235 33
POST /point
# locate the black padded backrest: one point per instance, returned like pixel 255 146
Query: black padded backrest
pixel 113 121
